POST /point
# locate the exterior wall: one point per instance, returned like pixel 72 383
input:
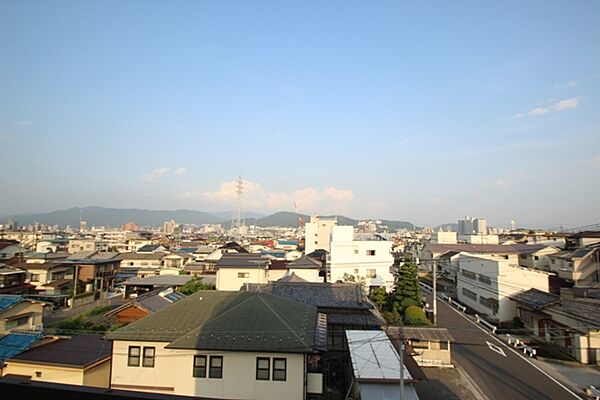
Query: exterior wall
pixel 582 271
pixel 496 281
pixel 538 260
pixel 173 374
pixel 444 237
pixel 311 275
pixel 480 239
pixel 227 278
pixel 130 263
pixel 54 374
pixel 98 375
pixel 22 308
pixel 351 257
pixel 432 355
pixel 78 245
pixel 318 233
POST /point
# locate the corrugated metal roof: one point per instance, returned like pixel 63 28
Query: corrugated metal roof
pixel 373 357
pixel 421 333
pixel 386 391
pixel 14 343
pixel 8 300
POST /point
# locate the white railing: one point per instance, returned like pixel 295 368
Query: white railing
pixel 483 322
pixel 530 351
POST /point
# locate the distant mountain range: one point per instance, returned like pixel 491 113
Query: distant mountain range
pixel 115 217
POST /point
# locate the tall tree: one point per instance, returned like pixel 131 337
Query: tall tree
pixel 407 291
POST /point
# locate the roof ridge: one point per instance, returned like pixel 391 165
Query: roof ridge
pixel 283 321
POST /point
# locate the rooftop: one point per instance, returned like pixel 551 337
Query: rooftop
pixel 422 333
pixel 8 300
pixel 213 320
pixel 14 343
pixel 242 260
pixel 374 358
pixel 159 280
pixel 77 351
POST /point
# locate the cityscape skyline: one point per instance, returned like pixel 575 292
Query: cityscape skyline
pixel 423 113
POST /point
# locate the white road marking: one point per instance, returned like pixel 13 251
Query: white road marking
pixel 495 348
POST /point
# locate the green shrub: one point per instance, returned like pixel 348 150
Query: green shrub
pixel 414 315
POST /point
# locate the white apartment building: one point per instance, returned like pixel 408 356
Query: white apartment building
pixel 79 245
pixel 369 259
pixel 479 239
pixel 318 233
pixel 442 237
pixel 486 284
pixel 469 226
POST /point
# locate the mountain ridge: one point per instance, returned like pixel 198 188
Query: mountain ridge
pixel 115 217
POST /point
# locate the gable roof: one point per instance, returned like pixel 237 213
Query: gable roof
pixel 323 295
pixel 291 278
pixel 216 320
pixel 76 351
pixel 152 301
pixel 305 262
pixel 535 298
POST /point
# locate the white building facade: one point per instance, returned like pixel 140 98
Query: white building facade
pixel 485 284
pixel 318 233
pixel 368 259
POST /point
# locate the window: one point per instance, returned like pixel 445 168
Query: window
pixel 485 279
pixel 371 273
pixel 469 274
pixel 536 258
pixel 355 251
pixel 419 344
pixel 216 367
pixel 263 368
pixel 469 294
pixel 133 356
pixel 243 274
pixel 370 252
pixel 356 270
pixel 279 369
pixel 35 277
pixel 148 360
pixel 17 322
pixel 199 366
pixel 443 345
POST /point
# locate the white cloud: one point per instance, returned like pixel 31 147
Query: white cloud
pixel 23 123
pixel 568 84
pixel 565 104
pixel 539 111
pixel 181 171
pixel 156 174
pixel 309 200
pixel 557 106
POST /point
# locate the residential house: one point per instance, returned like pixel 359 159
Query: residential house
pixel 428 346
pixel 376 370
pixel 40 274
pixel 12 280
pixel 139 286
pixel 143 305
pixel 80 245
pixel 95 270
pixel 579 267
pixel 222 345
pixel 152 248
pixel 364 257
pixel 20 314
pixel 140 264
pixel 486 283
pixel 304 267
pixel 177 260
pixel 14 343
pixel 571 323
pixel 9 249
pixel 536 257
pixel 235 270
pixel 77 360
pixel 345 304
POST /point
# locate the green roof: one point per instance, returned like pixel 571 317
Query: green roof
pixel 237 321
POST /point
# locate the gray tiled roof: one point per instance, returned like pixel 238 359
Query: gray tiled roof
pixel 535 298
pixel 327 295
pixel 229 321
pixel 242 260
pixel 305 262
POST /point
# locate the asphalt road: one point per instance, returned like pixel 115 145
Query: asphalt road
pixel 498 371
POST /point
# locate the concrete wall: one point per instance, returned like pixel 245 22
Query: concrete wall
pixel 317 233
pixel 173 373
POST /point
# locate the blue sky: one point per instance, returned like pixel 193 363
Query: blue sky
pixel 380 109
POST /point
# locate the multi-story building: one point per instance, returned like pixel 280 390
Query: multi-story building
pixel 363 257
pixel 486 283
pixel 318 233
pixel 580 267
pixel 79 245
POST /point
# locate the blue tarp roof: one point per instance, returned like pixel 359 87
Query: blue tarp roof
pixel 7 301
pixel 14 343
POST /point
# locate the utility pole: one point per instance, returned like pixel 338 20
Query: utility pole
pixel 434 292
pixel 401 331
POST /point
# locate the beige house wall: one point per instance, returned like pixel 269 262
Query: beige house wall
pixel 173 373
pixel 23 308
pixel 227 278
